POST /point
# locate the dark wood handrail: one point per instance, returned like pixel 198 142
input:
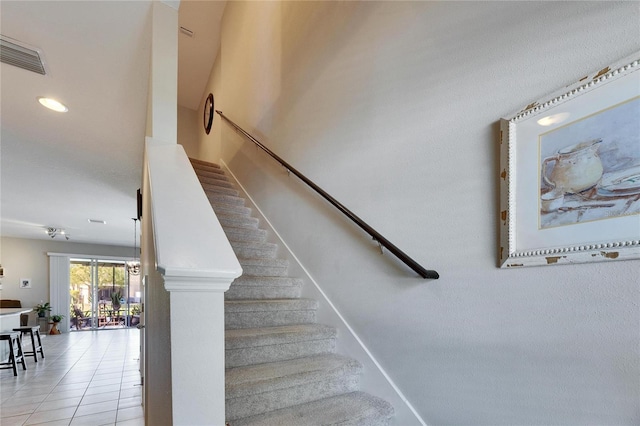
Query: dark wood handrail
pixel 424 273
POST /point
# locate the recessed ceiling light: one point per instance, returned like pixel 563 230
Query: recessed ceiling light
pixel 104 222
pixel 52 104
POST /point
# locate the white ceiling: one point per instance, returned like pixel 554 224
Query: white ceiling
pixel 196 54
pixel 61 170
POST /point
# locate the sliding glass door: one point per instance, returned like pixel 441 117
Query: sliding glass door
pixel 81 286
pixel 104 294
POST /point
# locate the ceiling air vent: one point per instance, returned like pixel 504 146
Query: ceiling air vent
pixel 20 55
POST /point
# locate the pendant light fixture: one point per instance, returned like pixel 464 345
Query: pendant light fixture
pixel 133 266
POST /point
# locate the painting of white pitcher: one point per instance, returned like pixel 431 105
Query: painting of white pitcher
pixel 574 168
pixel 589 169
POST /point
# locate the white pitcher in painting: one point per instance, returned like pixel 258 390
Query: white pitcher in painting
pixel 575 168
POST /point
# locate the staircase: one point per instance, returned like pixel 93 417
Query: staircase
pixel 281 366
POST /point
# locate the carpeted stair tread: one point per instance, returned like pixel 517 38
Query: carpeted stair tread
pixel 210 174
pixel 235 221
pixel 248 346
pixel 355 408
pixel 258 261
pixel 262 292
pixel 195 163
pixel 206 168
pixel 217 185
pixel 245 234
pixel 240 227
pixel 280 352
pixel 253 379
pixel 202 162
pixel 219 189
pixel 215 175
pixel 219 201
pixel 228 209
pixel 270 305
pixel 248 280
pixel 268 336
pixel 256 287
pixel 231 200
pixel 261 388
pixel 215 180
pixel 215 189
pixel 263 266
pixel 254 249
pixel 268 312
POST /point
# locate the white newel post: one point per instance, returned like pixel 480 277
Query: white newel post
pixel 197 350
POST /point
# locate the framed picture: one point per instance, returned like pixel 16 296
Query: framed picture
pixel 570 173
pixel 25 282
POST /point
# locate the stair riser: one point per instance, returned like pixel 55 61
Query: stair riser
pixel 369 421
pixel 280 352
pixel 196 161
pixel 227 209
pixel 225 199
pixel 238 221
pixel 252 319
pixel 218 190
pixel 210 174
pixel 246 235
pixel 215 182
pixel 267 252
pixel 264 292
pixel 353 409
pixel 200 168
pixel 267 281
pixel 273 400
pixel 264 271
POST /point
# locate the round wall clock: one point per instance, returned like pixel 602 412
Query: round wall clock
pixel 208 113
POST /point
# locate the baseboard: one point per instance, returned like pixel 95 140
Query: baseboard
pixel 375 380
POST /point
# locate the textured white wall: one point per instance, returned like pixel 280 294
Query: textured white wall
pixel 27 258
pixel 392 107
pixel 191 134
pixel 188 127
pixel 163 84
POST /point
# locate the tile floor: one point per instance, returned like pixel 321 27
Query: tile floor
pixel 87 378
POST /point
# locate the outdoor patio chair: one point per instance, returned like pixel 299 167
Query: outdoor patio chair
pixel 80 320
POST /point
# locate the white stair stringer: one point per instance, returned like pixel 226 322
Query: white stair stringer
pixel 282 367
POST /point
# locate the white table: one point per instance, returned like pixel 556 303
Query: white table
pixel 9 319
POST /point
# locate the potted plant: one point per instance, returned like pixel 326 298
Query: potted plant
pixel 135 316
pixel 135 310
pixel 115 300
pixel 42 309
pixel 56 319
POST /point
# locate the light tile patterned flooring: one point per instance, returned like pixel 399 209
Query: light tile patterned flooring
pixel 87 378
